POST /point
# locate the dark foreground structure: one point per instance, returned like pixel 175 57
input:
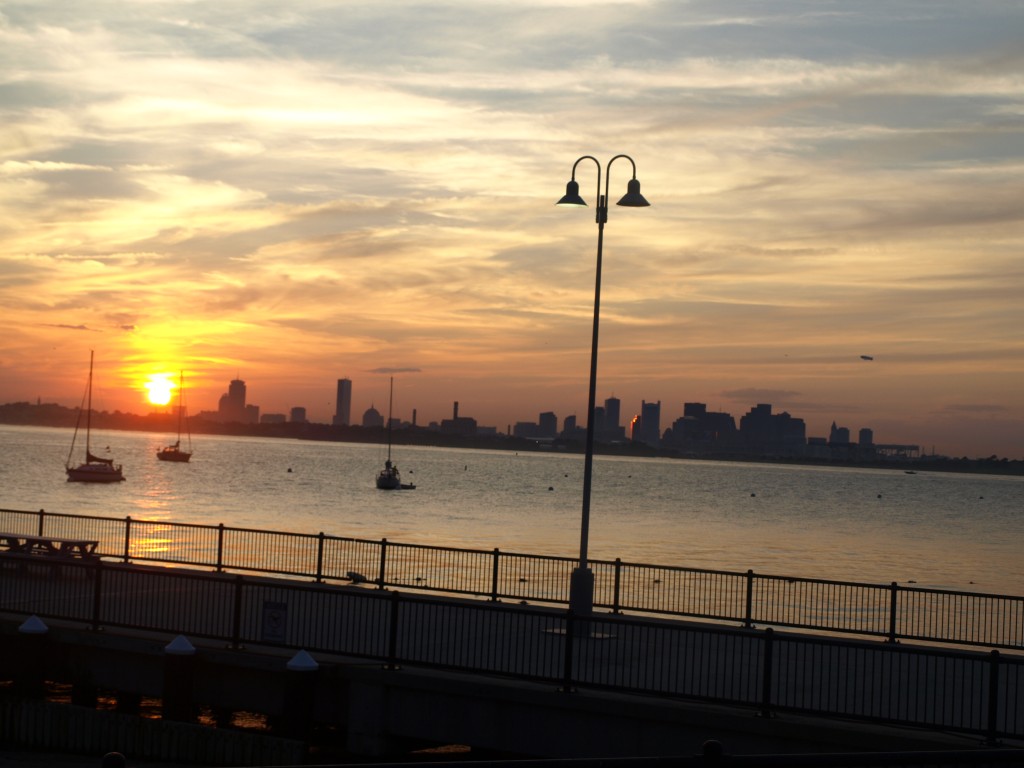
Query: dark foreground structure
pixel 213 657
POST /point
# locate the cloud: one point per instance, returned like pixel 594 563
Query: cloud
pixel 760 395
pixel 72 327
pixel 976 408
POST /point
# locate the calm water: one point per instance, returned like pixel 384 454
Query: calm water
pixel 936 529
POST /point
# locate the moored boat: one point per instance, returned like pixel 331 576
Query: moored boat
pixel 95 469
pixel 389 478
pixel 175 452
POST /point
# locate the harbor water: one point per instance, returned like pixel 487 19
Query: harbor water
pixel 933 529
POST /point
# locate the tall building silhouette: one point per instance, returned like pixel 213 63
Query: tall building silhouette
pixel 647 425
pixel 232 405
pixel 608 428
pixel 343 404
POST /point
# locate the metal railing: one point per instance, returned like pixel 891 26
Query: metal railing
pixel 890 611
pixel 961 691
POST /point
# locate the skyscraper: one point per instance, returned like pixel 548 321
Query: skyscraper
pixel 343 404
pixel 232 404
pixel 647 425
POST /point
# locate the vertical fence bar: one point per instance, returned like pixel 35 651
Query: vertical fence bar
pixel 393 634
pixel 127 537
pixel 570 633
pixel 618 586
pixel 766 678
pixel 748 622
pixel 220 547
pixel 494 576
pixel 993 699
pixel 320 558
pixel 42 514
pixel 97 594
pixel 893 599
pixel 236 618
pixel 383 563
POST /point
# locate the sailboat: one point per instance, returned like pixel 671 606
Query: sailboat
pixel 389 478
pixel 174 452
pixel 95 469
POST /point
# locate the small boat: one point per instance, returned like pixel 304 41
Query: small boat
pixel 389 478
pixel 174 452
pixel 95 469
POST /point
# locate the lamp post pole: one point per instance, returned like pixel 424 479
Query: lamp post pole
pixel 581 582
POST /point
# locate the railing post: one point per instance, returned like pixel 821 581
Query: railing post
pixel 570 635
pixel 494 575
pixel 42 514
pixel 236 618
pixel 220 547
pixel 320 558
pixel 393 634
pixel 993 699
pixel 766 678
pixel 127 537
pixel 383 563
pixel 749 620
pixel 893 599
pixel 97 593
pixel 616 605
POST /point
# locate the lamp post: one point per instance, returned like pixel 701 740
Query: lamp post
pixel 581 583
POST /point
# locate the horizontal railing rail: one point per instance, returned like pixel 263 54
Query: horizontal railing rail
pixel 955 690
pixel 890 611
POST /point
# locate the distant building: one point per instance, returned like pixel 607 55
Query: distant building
pixel 647 424
pixel 570 430
pixel 547 425
pixel 298 415
pixel 701 431
pixel 458 425
pixel 372 418
pixel 609 428
pixel 343 404
pixel 273 418
pixel 232 403
pixel 839 435
pixel 231 408
pixel 765 433
pixel 528 430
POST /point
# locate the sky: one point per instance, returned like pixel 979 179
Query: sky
pixel 292 193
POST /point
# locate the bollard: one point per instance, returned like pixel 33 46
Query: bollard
pixel 179 679
pixel 33 647
pixel 299 695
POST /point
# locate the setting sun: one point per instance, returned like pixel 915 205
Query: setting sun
pixel 159 389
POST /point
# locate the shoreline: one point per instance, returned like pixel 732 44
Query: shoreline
pixel 51 415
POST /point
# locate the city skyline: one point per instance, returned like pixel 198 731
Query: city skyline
pixel 647 425
pixel 293 195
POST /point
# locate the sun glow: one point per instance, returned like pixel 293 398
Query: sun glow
pixel 159 389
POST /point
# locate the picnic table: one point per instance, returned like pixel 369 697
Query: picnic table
pixel 25 544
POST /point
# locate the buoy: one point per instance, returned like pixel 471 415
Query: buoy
pixel 289 469
pixel 551 487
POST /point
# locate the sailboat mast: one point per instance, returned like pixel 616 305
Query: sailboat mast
pixel 391 397
pixel 181 383
pixel 88 412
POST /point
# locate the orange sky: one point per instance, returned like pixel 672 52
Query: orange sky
pixel 297 194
